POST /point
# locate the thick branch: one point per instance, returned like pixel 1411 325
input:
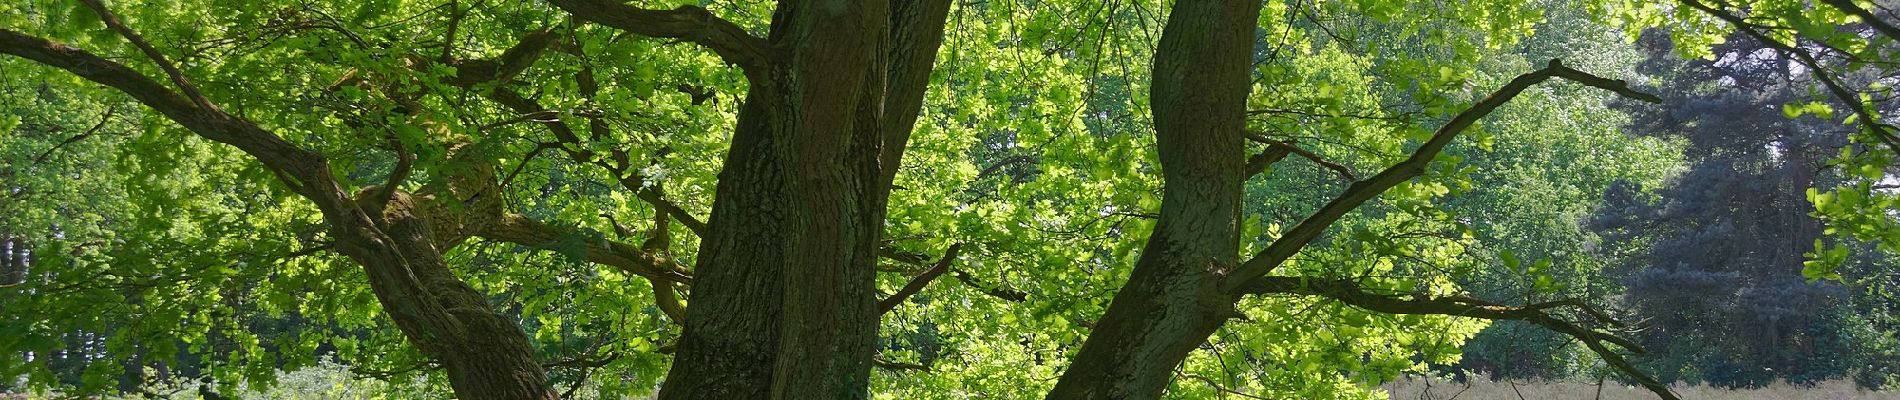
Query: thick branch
pixel 918 283
pixel 668 301
pixel 1352 294
pixel 916 33
pixel 519 229
pixel 1273 154
pixel 1365 190
pixel 687 23
pixel 511 62
pixel 300 169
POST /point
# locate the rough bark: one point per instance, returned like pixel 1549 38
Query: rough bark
pixel 784 288
pixel 1173 300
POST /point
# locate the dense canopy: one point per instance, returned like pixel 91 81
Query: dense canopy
pixel 849 199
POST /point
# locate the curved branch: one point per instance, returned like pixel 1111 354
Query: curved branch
pixel 1362 191
pixel 519 229
pixel 1352 294
pixel 110 112
pixel 687 23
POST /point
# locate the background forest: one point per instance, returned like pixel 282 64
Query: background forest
pixel 1095 199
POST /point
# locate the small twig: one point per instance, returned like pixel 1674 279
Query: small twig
pixel 110 112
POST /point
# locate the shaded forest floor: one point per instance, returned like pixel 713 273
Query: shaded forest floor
pixel 1480 388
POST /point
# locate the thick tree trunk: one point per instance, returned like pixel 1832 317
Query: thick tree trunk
pixel 784 291
pixel 484 353
pixel 1174 299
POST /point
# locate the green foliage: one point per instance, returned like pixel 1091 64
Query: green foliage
pixel 1034 151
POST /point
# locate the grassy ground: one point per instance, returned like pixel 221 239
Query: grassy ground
pixel 1478 388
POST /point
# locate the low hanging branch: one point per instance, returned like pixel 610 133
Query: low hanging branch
pixel 1362 191
pixel 1355 295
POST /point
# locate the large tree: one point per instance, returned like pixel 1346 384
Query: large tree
pixel 413 132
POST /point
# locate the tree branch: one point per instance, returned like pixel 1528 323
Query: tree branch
pixel 112 21
pixel 519 229
pixel 918 283
pixel 503 68
pixel 1868 122
pixel 1336 167
pixel 1013 296
pixel 300 169
pixel 688 23
pixel 405 163
pixel 916 34
pixel 1266 158
pixel 110 111
pixel 631 181
pixel 1848 6
pixel 1360 192
pixel 1352 294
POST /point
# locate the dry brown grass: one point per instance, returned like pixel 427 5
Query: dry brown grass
pixel 1483 389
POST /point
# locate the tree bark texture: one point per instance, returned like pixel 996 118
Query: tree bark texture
pixel 784 293
pixel 1174 298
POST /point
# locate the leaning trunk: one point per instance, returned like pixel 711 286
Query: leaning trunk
pixel 1174 300
pixel 484 353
